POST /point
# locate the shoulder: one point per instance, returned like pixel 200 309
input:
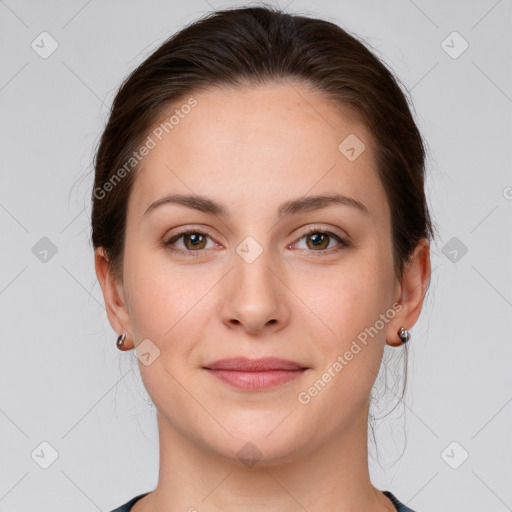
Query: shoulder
pixel 400 507
pixel 129 504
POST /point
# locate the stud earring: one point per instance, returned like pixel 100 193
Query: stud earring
pixel 120 341
pixel 404 335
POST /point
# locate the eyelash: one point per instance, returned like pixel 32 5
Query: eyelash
pixel 342 242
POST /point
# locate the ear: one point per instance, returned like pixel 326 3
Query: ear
pixel 113 294
pixel 411 291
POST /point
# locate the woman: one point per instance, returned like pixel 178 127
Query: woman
pixel 261 232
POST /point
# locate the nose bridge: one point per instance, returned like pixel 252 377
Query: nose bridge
pixel 252 261
pixel 254 292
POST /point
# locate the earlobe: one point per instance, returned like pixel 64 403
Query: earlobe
pixel 412 288
pixel 113 296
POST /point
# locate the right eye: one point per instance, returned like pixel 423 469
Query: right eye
pixel 193 240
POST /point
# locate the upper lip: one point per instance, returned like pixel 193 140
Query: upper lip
pixel 244 364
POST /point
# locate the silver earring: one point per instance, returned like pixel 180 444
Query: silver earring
pixel 404 335
pixel 120 341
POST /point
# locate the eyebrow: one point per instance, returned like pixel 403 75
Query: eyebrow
pixel 292 207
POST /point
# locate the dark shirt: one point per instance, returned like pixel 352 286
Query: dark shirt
pixel 400 507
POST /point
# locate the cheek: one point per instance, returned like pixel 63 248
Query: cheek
pixel 153 294
pixel 351 344
pixel 165 302
pixel 351 297
pixel 350 306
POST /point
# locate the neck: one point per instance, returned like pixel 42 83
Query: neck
pixel 333 476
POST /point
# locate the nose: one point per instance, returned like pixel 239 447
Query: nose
pixel 254 295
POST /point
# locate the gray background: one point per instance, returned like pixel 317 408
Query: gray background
pixel 63 381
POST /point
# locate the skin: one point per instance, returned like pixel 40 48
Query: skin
pixel 253 150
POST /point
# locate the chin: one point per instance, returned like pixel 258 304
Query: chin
pixel 262 441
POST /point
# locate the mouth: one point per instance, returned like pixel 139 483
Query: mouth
pixel 255 374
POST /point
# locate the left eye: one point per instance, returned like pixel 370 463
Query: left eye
pixel 320 240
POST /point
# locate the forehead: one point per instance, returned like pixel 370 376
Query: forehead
pixel 266 142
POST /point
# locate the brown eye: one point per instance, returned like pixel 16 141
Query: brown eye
pixel 319 241
pixel 194 240
pixel 191 242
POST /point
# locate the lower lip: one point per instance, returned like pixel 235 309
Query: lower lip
pixel 256 380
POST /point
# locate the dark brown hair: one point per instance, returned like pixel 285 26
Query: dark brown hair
pixel 254 45
pixel 240 47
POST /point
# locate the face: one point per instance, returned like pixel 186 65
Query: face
pixel 306 282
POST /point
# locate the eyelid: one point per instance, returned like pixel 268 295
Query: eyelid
pixel 322 229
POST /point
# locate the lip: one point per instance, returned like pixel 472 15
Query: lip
pixel 245 364
pixel 255 374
